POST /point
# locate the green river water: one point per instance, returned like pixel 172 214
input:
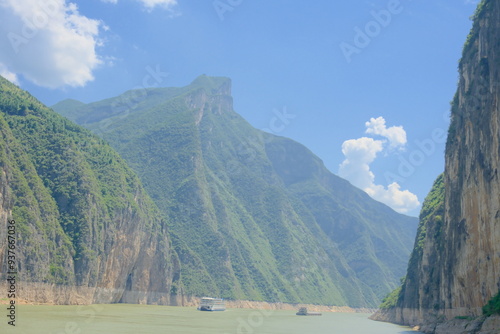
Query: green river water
pixel 139 319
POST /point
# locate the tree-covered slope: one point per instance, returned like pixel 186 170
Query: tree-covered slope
pixel 252 215
pixel 82 216
pixel 372 237
pixel 419 289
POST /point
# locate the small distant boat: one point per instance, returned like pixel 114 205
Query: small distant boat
pixel 303 311
pixel 212 304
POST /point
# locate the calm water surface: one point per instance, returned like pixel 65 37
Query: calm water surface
pixel 143 319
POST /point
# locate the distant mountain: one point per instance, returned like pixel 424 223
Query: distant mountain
pixel 86 231
pixel 252 215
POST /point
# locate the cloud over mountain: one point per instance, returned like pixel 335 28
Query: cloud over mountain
pixel 360 153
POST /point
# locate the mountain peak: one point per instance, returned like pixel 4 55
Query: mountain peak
pixel 214 85
pixel 213 93
pixel 254 216
pixel 69 104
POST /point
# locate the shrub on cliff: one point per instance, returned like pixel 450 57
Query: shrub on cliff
pixel 392 298
pixel 493 306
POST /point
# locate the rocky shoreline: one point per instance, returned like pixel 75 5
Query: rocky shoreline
pixel 286 306
pixel 457 325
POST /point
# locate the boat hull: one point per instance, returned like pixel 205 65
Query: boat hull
pixel 212 304
pixel 303 311
pixel 210 310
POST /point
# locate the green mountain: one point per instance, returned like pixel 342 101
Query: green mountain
pixel 83 220
pixel 252 215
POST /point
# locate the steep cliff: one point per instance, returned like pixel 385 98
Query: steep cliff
pixel 86 230
pixel 472 185
pixel 455 266
pixel 253 215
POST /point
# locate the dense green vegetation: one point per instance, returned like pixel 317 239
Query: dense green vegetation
pixel 69 192
pixel 431 219
pixel 429 230
pixel 252 215
pixel 493 306
pixel 481 8
pixel 391 300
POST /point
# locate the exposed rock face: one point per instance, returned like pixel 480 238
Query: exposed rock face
pixel 471 262
pixel 455 267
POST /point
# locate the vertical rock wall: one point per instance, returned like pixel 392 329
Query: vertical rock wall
pixel 455 266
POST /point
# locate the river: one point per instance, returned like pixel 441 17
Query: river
pixel 144 319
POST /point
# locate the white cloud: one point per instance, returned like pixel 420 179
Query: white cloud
pixel 401 201
pixel 151 4
pixel 48 42
pixel 12 77
pixel 395 134
pixel 360 153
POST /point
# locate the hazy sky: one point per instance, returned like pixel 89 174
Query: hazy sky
pixel 365 85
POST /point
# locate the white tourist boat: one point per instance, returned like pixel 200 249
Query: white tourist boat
pixel 212 304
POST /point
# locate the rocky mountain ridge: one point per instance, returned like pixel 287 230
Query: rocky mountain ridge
pixel 281 226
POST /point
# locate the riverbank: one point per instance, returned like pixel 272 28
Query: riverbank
pixel 286 306
pixel 457 325
pixel 51 294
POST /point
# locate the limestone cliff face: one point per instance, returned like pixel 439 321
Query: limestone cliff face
pixel 471 266
pixel 455 266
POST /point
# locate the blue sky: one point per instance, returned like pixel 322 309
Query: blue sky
pixel 365 85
